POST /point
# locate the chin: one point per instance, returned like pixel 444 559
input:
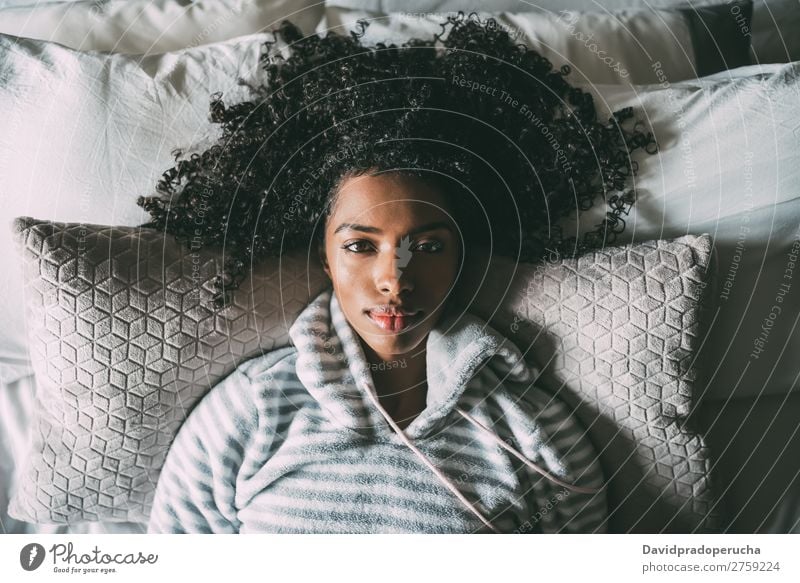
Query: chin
pixel 395 346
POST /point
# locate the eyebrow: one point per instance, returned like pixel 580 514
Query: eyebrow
pixel 377 231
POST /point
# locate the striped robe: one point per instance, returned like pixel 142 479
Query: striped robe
pixel 291 443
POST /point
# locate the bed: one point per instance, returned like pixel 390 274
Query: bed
pixel 739 170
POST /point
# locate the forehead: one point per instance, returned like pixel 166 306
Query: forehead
pixel 388 195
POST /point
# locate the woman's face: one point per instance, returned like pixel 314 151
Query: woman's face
pixel 392 252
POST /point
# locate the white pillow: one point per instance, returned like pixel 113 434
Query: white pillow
pixel 728 165
pixel 629 46
pixel 27 3
pixel 87 133
pixel 599 49
pixel 774 27
pixel 154 26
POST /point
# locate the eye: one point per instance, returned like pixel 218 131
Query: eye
pixel 425 247
pixel 349 246
pixel 430 246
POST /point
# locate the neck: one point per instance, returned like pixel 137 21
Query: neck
pixel 400 382
pixel 398 371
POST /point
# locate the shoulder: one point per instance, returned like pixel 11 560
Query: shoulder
pixel 261 371
pixel 238 398
pixel 273 386
pixel 526 398
pixel 268 363
pixel 541 420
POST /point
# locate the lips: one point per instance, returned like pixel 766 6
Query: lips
pixel 393 320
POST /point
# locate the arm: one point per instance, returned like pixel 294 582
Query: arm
pixel 197 486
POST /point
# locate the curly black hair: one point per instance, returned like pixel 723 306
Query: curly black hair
pixel 510 142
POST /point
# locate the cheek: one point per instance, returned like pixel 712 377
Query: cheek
pixel 347 274
pixel 439 272
pixel 434 275
pixel 349 282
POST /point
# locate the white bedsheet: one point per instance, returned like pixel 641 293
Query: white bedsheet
pixel 671 217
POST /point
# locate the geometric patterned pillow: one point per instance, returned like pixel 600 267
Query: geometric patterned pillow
pixel 123 345
pixel 616 333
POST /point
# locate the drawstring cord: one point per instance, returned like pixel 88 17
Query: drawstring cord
pixel 446 481
pixel 526 461
pixel 432 467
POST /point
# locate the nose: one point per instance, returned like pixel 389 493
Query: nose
pixel 392 272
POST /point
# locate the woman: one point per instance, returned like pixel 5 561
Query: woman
pixel 394 409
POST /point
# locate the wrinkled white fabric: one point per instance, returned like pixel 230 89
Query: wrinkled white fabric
pixel 84 134
pixel 149 27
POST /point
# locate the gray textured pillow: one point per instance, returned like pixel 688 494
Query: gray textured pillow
pixel 123 347
pixel 616 333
